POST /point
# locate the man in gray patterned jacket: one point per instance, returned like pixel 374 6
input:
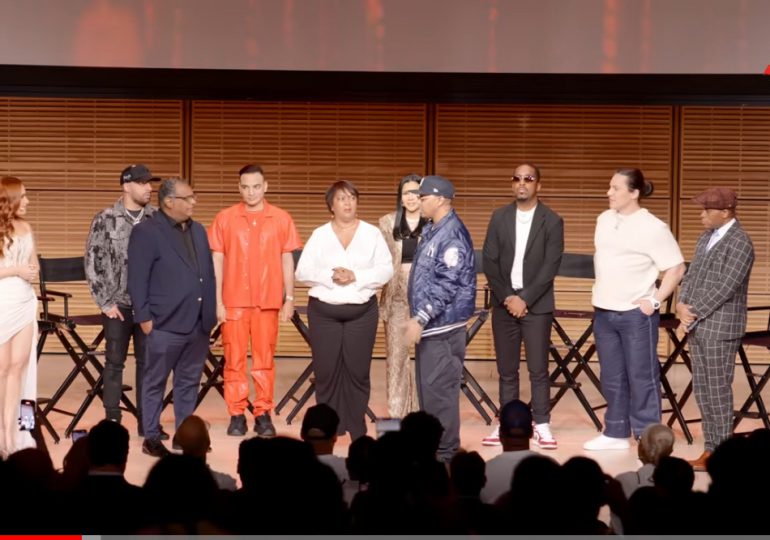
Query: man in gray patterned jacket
pixel 106 272
pixel 712 308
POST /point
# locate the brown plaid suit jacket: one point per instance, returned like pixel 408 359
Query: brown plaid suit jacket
pixel 717 282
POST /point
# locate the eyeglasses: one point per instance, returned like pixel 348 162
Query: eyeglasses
pixel 528 178
pixel 345 198
pixel 187 198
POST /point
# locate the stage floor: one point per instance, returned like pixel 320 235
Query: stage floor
pixel 570 423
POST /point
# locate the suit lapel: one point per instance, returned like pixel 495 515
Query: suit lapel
pixel 538 220
pixel 201 249
pixel 510 225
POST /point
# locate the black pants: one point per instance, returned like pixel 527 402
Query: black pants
pixel 439 369
pixel 508 333
pixel 117 335
pixel 342 339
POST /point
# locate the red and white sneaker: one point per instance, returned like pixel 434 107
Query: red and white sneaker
pixel 493 439
pixel 542 437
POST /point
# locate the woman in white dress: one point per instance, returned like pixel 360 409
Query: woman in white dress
pixel 18 314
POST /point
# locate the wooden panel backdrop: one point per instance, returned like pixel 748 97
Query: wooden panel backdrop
pixel 304 147
pixel 69 153
pixel 577 149
pixel 730 147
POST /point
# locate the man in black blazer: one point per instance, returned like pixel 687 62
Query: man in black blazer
pixel 172 287
pixel 522 253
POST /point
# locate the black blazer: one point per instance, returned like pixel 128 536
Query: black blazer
pixel 542 257
pixel 163 285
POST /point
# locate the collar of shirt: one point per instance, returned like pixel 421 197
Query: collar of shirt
pixel 434 227
pixel 120 208
pixel 721 231
pixel 267 209
pixel 177 224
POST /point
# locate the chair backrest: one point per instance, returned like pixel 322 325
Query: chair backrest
pixel 57 270
pixel 576 265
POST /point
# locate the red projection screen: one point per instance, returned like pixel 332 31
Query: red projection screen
pixel 450 36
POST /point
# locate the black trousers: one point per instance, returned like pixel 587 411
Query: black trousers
pixel 117 336
pixel 508 332
pixel 439 370
pixel 342 339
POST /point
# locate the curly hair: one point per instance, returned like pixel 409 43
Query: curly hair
pixel 10 199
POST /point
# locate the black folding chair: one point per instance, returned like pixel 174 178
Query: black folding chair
pixel 574 265
pixel 669 323
pixel 65 326
pixel 468 384
pixel 757 381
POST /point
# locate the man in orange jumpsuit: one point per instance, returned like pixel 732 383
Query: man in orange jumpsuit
pixel 252 244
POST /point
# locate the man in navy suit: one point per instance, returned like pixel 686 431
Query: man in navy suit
pixel 172 287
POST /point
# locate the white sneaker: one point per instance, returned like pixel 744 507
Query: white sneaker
pixel 602 442
pixel 493 439
pixel 542 437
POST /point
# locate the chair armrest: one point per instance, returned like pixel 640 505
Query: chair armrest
pixel 58 293
pixel 65 296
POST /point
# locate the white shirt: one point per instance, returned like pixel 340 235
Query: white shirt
pixel 523 226
pixel 631 251
pixel 367 256
pixel 719 233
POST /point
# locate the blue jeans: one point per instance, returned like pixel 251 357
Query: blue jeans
pixel 627 344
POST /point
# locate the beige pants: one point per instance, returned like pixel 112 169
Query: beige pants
pixel 401 388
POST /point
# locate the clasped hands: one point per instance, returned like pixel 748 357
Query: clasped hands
pixel 343 276
pixel 516 306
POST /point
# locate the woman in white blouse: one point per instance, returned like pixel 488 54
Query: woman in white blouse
pixel 344 262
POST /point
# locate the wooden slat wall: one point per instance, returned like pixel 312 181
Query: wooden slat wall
pixel 69 153
pixel 304 147
pixel 730 147
pixel 577 149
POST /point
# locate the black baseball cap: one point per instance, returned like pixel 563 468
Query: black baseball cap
pixel 137 173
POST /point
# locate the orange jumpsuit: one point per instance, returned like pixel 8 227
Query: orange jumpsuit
pixel 252 291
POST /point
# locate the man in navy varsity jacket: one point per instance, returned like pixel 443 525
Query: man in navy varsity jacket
pixel 442 297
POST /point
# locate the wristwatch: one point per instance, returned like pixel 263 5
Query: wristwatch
pixel 654 301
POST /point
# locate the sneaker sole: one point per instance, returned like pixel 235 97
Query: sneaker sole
pixel 603 448
pixel 548 446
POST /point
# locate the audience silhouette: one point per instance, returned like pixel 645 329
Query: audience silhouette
pixel 393 485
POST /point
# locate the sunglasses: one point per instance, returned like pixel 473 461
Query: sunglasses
pixel 528 178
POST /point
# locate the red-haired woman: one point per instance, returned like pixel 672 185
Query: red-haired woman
pixel 18 308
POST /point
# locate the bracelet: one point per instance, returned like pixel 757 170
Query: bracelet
pixel 289 297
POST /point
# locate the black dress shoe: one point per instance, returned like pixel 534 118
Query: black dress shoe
pixel 237 427
pixel 263 426
pixel 154 448
pixel 163 435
